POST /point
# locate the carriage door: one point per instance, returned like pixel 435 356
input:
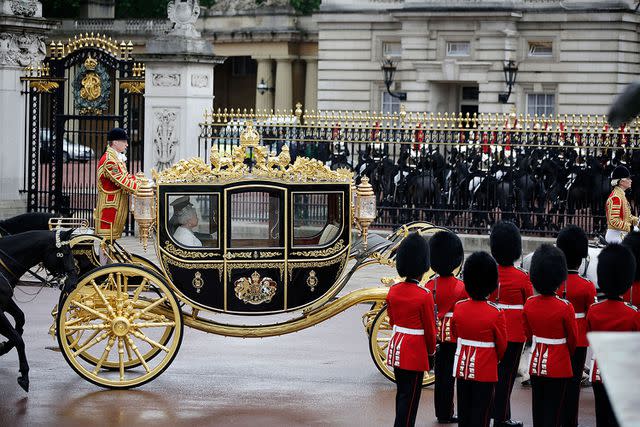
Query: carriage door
pixel 255 249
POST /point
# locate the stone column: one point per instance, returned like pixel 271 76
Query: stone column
pixel 284 81
pixel 264 73
pixel 311 84
pixel 22 42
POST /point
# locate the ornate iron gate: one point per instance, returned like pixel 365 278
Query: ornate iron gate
pixel 83 88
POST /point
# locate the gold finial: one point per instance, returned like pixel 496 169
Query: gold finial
pixel 90 63
pixel 249 136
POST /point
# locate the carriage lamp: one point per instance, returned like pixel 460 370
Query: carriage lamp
pixel 144 208
pixel 510 69
pixel 365 208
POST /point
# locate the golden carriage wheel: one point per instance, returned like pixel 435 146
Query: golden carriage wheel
pixel 379 338
pixel 125 326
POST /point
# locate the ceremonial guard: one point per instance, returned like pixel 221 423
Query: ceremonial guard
pixel 411 315
pixel 581 293
pixel 619 218
pixel 114 184
pixel 616 269
pixel 513 290
pixel 481 341
pixel 447 254
pixel 632 242
pixel 550 323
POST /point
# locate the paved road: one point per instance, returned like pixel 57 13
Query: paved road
pixel 322 376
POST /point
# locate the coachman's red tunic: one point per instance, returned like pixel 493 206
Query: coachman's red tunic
pixel 411 315
pixel 447 292
pixel 550 322
pixel 581 293
pixel 482 340
pixel 514 288
pixel 114 184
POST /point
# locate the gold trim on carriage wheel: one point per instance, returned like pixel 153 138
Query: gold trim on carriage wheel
pixel 131 332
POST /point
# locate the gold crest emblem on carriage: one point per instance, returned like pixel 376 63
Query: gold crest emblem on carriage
pixel 253 290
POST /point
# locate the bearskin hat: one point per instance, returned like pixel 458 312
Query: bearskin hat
pixel 616 269
pixel 632 242
pixel 620 172
pixel 446 252
pixel 548 269
pixel 574 243
pixel 480 275
pixel 505 242
pixel 626 106
pixel 412 257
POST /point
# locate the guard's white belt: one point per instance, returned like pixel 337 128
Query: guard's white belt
pixel 549 341
pixel 581 315
pixel 473 343
pixel 408 331
pixel 511 306
pixel 449 314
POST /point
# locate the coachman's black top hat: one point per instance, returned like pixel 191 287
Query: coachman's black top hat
pixel 117 134
pixel 620 172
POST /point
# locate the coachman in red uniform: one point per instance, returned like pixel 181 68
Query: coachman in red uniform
pixel 513 290
pixel 550 322
pixel 447 254
pixel 632 242
pixel 581 293
pixel 481 341
pixel 616 269
pixel 411 315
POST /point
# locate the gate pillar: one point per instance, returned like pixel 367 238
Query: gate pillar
pixel 23 44
pixel 178 90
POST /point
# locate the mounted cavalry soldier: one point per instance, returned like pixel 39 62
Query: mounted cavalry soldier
pixel 619 218
pixel 114 184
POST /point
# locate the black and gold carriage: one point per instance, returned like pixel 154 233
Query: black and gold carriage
pixel 244 235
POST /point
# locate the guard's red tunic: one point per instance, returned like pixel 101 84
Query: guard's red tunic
pixel 411 315
pixel 632 296
pixel 114 182
pixel 550 322
pixel 447 292
pixel 611 315
pixel 514 287
pixel 581 293
pixel 482 340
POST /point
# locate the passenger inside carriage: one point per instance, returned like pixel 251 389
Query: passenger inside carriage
pixel 184 224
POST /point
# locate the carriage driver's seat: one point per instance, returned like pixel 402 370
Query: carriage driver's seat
pixel 328 234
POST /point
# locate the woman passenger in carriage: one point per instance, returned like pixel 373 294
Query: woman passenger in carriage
pixel 185 218
pixel 413 343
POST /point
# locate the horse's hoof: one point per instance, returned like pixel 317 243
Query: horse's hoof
pixel 23 381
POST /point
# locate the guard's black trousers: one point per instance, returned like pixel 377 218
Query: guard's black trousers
pixel 445 381
pixel 507 371
pixel 572 397
pixel 409 386
pixel 604 412
pixel 547 395
pixel 474 403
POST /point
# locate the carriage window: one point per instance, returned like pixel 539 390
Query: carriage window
pixel 255 220
pixel 193 219
pixel 317 218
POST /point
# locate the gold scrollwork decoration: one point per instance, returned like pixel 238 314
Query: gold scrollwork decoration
pixel 255 290
pixel 239 255
pixel 322 252
pixel 269 254
pixel 312 280
pixel 172 249
pixel 197 281
pixel 43 86
pixel 190 266
pixel 316 264
pixel 133 86
pixel 255 265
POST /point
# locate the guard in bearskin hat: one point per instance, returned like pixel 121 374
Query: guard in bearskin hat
pixel 550 323
pixel 616 270
pixel 620 221
pixel 632 242
pixel 513 290
pixel 447 254
pixel 581 293
pixel 482 341
pixel 413 342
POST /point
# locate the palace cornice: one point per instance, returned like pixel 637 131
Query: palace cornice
pixel 450 70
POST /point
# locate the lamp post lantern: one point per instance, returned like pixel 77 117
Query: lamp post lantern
pixel 389 70
pixel 510 69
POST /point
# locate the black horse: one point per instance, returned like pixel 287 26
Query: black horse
pixel 18 253
pixel 25 222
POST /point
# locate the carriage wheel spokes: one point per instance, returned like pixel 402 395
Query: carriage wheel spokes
pixel 379 339
pixel 132 332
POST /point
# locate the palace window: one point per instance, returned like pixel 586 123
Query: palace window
pixel 389 104
pixel 392 50
pixel 458 48
pixel 540 49
pixel 541 103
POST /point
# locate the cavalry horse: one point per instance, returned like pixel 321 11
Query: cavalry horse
pixel 19 253
pixel 26 222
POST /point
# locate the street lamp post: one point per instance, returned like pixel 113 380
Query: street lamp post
pixel 510 73
pixel 389 69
